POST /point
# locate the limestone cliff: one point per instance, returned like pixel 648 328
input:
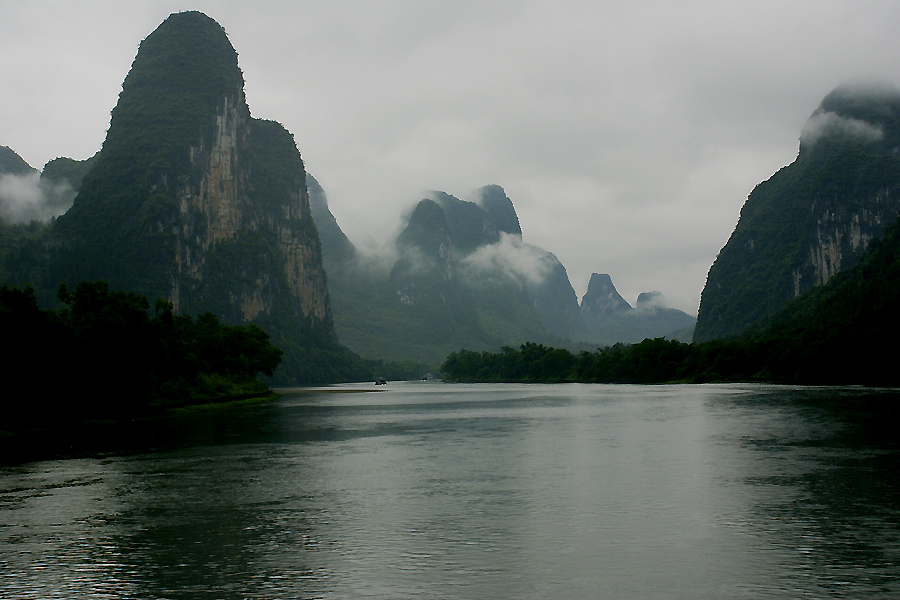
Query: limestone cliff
pixel 814 217
pixel 194 201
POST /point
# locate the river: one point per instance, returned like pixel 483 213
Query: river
pixel 426 490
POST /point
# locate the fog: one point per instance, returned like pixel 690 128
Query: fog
pixel 25 198
pixel 512 258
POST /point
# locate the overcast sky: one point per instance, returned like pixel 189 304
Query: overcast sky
pixel 627 134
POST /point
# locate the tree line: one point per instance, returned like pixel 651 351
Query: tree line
pixel 840 333
pixel 792 358
pixel 106 354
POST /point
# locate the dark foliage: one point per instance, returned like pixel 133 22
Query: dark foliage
pixel 839 333
pixel 104 355
pixel 842 189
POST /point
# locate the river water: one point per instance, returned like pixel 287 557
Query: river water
pixel 475 491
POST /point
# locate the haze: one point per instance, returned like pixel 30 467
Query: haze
pixel 627 135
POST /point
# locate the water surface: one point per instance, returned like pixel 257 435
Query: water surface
pixel 475 491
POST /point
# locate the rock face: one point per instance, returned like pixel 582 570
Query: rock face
pixel 814 217
pixel 192 200
pixel 602 299
pixel 494 201
pixel 424 271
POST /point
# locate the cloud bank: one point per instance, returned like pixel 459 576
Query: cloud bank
pixel 831 124
pixel 512 258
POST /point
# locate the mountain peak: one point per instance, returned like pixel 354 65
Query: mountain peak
pixel 649 300
pixel 602 298
pixel 861 112
pixel 194 201
pixel 427 230
pixel 13 164
pixel 494 201
pixel 188 52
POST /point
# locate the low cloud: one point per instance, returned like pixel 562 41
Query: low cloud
pixel 651 302
pixel 831 124
pixel 25 198
pixel 513 258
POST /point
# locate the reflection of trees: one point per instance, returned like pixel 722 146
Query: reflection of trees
pixel 839 530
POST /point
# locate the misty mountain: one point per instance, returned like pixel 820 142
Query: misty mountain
pixel 602 299
pixel 193 201
pixel 457 275
pixel 813 218
pixel 27 195
pixel 609 319
pixel 337 249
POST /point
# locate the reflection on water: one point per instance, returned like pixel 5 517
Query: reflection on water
pixel 507 491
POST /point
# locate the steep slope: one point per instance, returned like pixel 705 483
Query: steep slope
pixel 487 239
pixel 193 201
pixel 337 249
pixel 494 201
pixel 812 218
pixel 602 299
pixel 13 164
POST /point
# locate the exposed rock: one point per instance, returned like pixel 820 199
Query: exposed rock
pixel 602 298
pixel 813 218
pixel 494 201
pixel 191 199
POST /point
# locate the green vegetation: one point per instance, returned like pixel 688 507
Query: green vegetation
pixel 67 170
pixel 838 333
pixel 13 164
pixel 812 216
pixel 651 361
pixel 104 355
pixel 121 227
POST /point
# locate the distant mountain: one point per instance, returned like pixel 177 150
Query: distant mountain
pixel 67 171
pixel 813 218
pixel 459 275
pixel 337 249
pixel 602 299
pixel 487 238
pixel 609 319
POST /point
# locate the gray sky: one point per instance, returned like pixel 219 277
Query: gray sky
pixel 628 134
